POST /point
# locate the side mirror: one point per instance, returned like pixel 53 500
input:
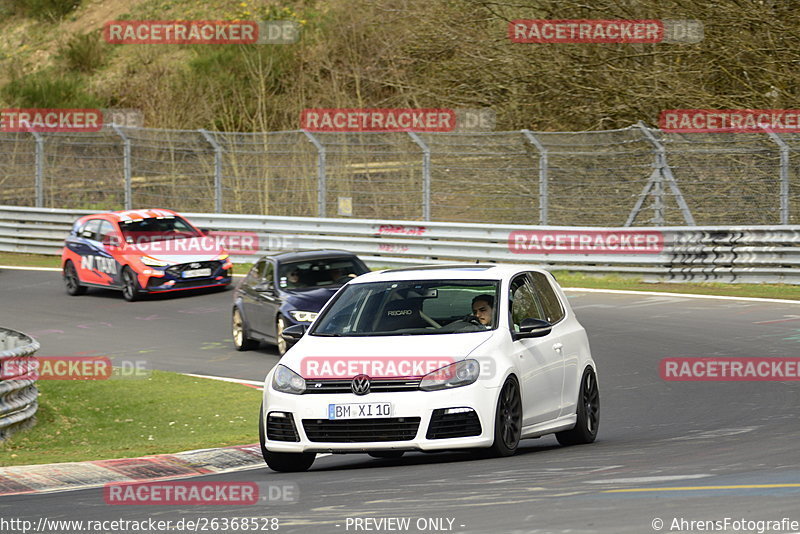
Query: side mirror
pixel 292 334
pixel 533 328
pixel 265 287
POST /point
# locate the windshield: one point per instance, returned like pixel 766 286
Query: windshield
pixel 156 229
pixel 327 272
pixel 417 307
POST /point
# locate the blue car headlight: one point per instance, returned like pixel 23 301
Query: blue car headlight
pixel 303 316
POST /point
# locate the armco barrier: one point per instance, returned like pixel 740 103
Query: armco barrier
pixel 756 254
pixel 18 393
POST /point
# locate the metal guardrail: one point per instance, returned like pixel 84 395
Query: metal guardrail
pixel 18 393
pixel 758 254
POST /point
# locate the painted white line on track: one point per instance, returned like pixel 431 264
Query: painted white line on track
pixel 14 267
pixel 684 295
pixel 645 480
pixel 227 379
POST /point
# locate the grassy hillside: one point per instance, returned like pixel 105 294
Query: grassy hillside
pixel 390 53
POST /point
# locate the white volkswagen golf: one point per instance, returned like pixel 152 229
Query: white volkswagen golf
pixel 432 358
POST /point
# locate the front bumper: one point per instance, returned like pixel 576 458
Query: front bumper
pixel 309 417
pixel 155 280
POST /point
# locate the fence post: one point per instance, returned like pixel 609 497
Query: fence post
pixel 322 182
pixel 39 164
pixel 784 174
pixel 543 185
pixel 661 172
pixel 126 165
pixel 426 175
pixel 217 169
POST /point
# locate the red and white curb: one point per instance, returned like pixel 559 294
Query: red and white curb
pixel 17 480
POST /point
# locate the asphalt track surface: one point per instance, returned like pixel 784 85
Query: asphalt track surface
pixel 697 451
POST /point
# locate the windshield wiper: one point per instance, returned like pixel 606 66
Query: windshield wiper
pixel 326 334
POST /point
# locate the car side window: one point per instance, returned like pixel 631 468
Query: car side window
pixel 106 233
pixel 89 230
pixel 254 276
pixel 523 300
pixel 553 311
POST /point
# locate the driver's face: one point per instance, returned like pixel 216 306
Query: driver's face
pixel 483 312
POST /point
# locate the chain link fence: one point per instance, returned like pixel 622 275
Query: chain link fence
pixel 633 176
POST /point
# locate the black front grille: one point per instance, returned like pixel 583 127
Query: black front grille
pixel 281 428
pixel 176 270
pixel 361 430
pixel 453 425
pixel 375 385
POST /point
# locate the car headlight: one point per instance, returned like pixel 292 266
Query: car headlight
pixel 287 381
pixel 152 262
pixel 303 316
pixel 455 375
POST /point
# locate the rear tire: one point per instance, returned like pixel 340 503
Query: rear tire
pixel 588 412
pixel 71 280
pixel 283 462
pixel 387 454
pixel 507 420
pixel 241 341
pixel 130 286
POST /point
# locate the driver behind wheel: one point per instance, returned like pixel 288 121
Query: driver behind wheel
pixel 483 309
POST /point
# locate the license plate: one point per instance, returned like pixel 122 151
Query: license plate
pixel 196 273
pixel 365 410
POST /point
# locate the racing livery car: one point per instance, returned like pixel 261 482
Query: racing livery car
pixel 142 251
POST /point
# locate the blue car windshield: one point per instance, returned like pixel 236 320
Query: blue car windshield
pixel 419 307
pixel 329 272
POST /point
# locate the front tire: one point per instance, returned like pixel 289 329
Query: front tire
pixel 241 341
pixel 283 462
pixel 130 286
pixel 588 412
pixel 507 420
pixel 71 280
pixel 279 328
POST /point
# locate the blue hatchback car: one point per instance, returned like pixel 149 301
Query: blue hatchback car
pixel 286 289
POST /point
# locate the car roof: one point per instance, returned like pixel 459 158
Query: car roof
pixel 286 257
pixel 132 215
pixel 467 271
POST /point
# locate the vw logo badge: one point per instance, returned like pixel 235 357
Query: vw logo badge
pixel 360 385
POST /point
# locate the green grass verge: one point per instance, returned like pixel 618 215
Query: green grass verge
pixel 774 291
pixel 29 260
pixel 123 418
pixel 565 278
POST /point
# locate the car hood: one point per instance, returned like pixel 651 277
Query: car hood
pixel 444 347
pixel 311 299
pixel 188 250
